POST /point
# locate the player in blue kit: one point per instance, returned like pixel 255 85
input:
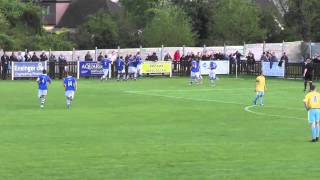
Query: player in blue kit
pixel 195 72
pixel 139 64
pixel 120 67
pixel 70 85
pixel 43 81
pixel 105 63
pixel 132 65
pixel 212 73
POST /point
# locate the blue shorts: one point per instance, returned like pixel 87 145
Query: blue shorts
pixel 313 115
pixel 260 93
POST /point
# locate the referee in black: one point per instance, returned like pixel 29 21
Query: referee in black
pixel 308 74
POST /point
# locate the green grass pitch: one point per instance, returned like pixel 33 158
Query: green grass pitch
pixel 156 128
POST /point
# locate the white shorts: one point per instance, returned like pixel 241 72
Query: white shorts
pixel 195 75
pixel 121 72
pixel 132 70
pixel 42 93
pixel 139 67
pixel 105 72
pixel 212 74
pixel 70 94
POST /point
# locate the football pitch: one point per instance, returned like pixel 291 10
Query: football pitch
pixel 156 128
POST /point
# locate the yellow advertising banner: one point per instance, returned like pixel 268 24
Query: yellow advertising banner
pixel 160 67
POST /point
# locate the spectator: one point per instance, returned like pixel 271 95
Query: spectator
pixel 88 57
pixel 34 57
pixel 177 56
pixel 284 59
pixel 43 56
pixel 13 57
pixel 238 56
pixel 52 66
pixel 250 60
pixel 62 64
pixel 27 57
pixel 153 57
pixel 100 57
pixel 273 59
pixel 20 57
pixel 167 57
pixel 5 65
pixel 264 57
pixel 316 58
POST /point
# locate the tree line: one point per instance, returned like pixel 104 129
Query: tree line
pixel 152 23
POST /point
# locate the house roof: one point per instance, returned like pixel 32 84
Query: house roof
pixel 79 10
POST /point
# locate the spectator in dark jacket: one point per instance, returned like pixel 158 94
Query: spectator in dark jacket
pixel 100 57
pixel 52 66
pixel 43 57
pixel 27 57
pixel 35 58
pixel 88 57
pixel 13 57
pixel 5 59
pixel 167 57
pixel 62 64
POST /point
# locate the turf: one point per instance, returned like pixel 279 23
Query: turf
pixel 156 128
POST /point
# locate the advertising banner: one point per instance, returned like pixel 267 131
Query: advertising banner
pixel 89 69
pixel 222 67
pixel 272 69
pixel 160 67
pixel 27 69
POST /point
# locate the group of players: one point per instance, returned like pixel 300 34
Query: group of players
pixel 134 67
pixel 196 76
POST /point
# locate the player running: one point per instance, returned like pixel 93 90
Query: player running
pixel 260 89
pixel 43 81
pixel 120 67
pixel 70 85
pixel 195 72
pixel 139 64
pixel 312 105
pixel 105 63
pixel 212 73
pixel 132 71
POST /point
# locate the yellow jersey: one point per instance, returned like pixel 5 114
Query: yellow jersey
pixel 260 83
pixel 312 100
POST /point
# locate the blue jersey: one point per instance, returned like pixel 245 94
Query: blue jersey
pixel 138 60
pixel 213 65
pixel 132 62
pixel 70 83
pixel 120 64
pixel 194 66
pixel 105 63
pixel 43 81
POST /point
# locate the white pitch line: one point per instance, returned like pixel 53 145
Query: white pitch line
pixel 247 109
pixel 204 100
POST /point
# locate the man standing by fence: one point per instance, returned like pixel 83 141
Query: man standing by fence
pixel 308 74
pixel 5 64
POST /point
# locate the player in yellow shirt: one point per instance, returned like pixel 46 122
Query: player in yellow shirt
pixel 260 89
pixel 312 105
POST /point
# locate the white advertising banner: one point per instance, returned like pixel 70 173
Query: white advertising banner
pixel 222 67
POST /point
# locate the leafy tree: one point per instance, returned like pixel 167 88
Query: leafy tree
pixel 99 30
pixel 136 10
pixel 201 13
pixel 170 26
pixel 302 18
pixel 236 21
